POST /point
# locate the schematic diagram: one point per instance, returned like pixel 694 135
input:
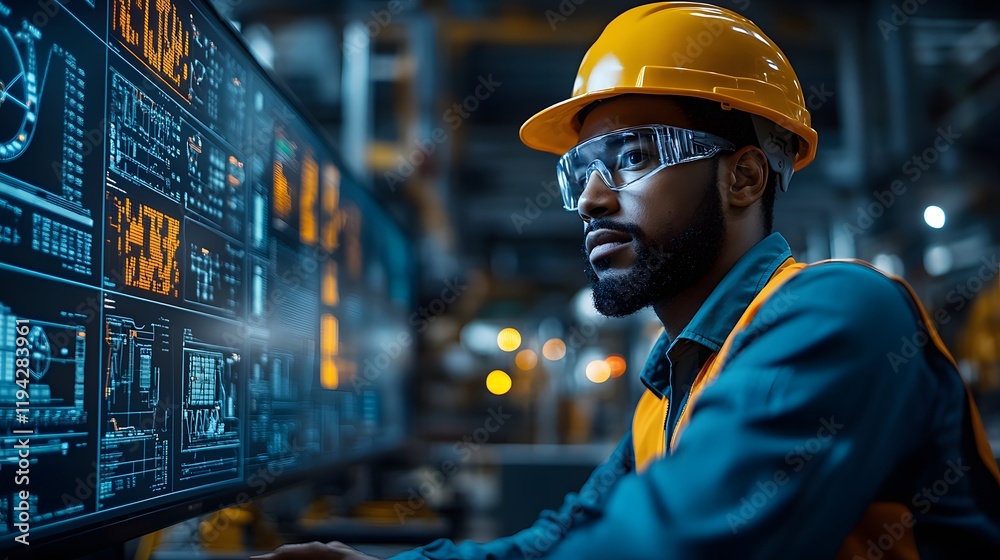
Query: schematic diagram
pixel 156 151
pixel 144 137
pixel 136 439
pixel 152 145
pixel 214 273
pixel 214 183
pixel 211 447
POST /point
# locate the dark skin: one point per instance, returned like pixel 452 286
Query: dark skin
pixel 661 205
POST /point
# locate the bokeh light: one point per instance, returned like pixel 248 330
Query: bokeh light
pixel 509 339
pixel 617 365
pixel 526 359
pixel 554 349
pixel 934 216
pixel 598 371
pixel 498 382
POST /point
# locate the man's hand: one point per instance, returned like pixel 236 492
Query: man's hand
pixel 334 550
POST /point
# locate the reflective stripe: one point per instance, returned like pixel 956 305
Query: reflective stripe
pixel 780 276
pixel 649 430
pixel 649 423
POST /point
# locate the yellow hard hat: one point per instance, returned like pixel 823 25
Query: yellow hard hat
pixel 682 48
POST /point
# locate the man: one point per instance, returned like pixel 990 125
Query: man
pixel 791 411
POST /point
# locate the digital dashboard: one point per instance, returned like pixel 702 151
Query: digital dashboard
pixel 189 286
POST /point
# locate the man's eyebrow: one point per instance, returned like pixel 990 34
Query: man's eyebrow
pixel 619 140
pixel 614 142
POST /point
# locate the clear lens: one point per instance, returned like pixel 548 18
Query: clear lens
pixel 625 156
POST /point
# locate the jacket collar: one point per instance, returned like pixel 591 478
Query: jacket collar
pixel 717 317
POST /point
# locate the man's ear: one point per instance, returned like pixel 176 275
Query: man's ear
pixel 745 176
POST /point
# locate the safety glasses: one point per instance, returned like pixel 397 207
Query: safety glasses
pixel 625 156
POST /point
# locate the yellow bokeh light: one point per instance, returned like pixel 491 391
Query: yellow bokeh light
pixel 329 346
pixel 598 371
pixel 329 373
pixel 554 349
pixel 509 339
pixel 617 365
pixel 498 382
pixel 526 359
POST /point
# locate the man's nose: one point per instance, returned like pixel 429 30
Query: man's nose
pixel 597 199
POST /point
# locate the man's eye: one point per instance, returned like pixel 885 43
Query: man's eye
pixel 632 158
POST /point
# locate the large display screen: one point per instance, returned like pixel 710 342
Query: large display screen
pixel 189 287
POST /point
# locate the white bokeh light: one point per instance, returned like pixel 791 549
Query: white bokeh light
pixel 934 216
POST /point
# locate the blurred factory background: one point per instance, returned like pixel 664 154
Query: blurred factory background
pixel 424 100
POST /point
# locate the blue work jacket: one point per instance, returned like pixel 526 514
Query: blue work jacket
pixel 832 399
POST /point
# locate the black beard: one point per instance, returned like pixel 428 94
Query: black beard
pixel 660 271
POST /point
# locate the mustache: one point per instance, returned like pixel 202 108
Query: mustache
pixel 607 223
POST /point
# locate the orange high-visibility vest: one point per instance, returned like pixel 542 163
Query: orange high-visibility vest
pixel 649 426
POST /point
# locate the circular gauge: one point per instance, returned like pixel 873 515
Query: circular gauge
pixel 41 352
pixel 18 93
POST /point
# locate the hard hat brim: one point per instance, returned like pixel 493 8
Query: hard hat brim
pixel 556 128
